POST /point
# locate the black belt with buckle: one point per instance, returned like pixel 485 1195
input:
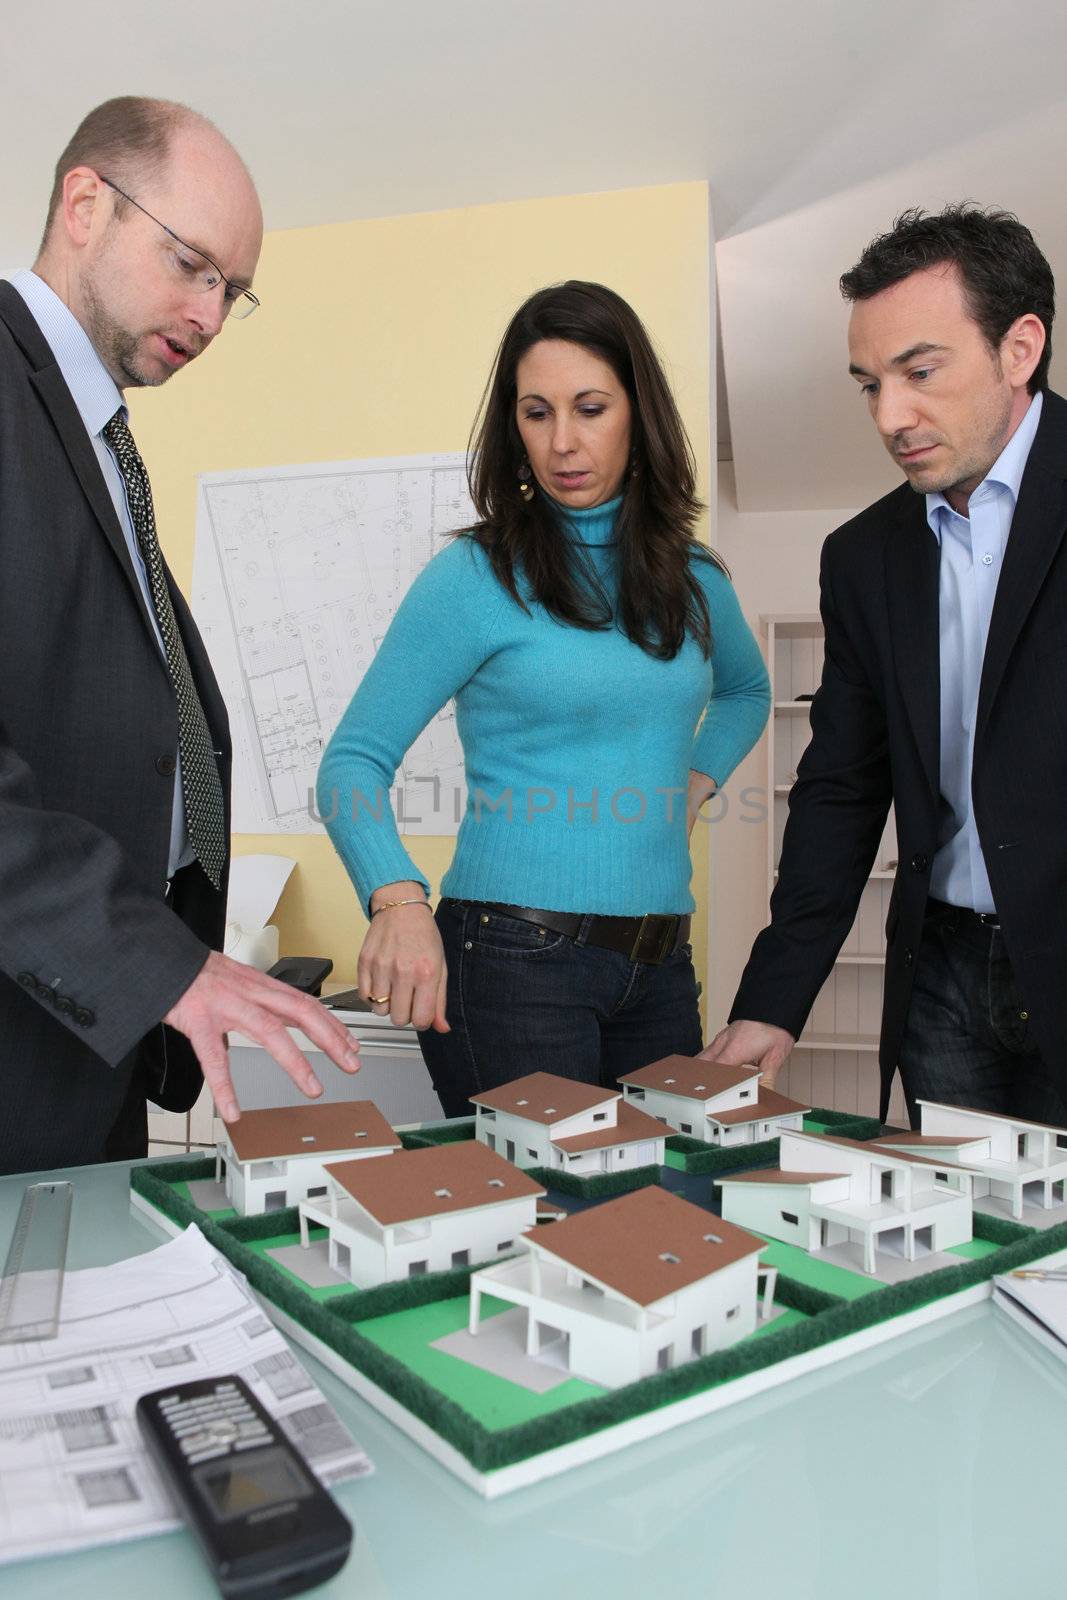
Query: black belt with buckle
pixel 651 939
pixel 961 914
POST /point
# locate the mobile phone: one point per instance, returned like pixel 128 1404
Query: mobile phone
pixel 265 1524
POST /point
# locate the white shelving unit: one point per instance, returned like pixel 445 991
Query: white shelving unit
pixel 835 1062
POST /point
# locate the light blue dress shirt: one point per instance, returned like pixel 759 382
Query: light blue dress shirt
pixel 972 554
pixel 97 398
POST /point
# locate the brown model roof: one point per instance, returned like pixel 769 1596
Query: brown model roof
pixel 543 1097
pixel 918 1140
pixel 777 1175
pixel 769 1104
pixel 690 1077
pixel 646 1245
pixel 330 1130
pixel 633 1127
pixel 432 1183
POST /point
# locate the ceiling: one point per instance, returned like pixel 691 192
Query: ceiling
pixel 811 125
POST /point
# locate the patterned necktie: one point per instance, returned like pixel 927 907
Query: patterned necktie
pixel 201 786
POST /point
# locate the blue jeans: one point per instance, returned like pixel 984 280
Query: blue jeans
pixel 967 1040
pixel 522 1001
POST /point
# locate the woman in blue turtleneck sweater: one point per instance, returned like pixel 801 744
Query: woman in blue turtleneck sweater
pixel 584 634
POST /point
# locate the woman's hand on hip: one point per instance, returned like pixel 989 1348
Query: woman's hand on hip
pixel 402 969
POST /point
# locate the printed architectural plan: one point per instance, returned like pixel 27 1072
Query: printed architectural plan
pixel 297 574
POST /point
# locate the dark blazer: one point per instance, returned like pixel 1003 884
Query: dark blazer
pixel 876 738
pixel 91 957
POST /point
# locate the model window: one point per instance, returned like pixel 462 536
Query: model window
pixel 490 1141
pixel 313 1194
pixel 461 1258
pixel 746 1094
pixel 664 1358
pixel 687 1127
pixel 639 1094
pixel 790 1216
pixel 487 1116
pixel 696 1342
pixel 531 1153
pixel 732 1313
pixel 506 1244
pixel 417 1268
pixel 1061 1141
pixel 600 1116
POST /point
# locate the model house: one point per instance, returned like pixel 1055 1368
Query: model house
pixel 421 1211
pixel 1015 1162
pixel 276 1157
pixel 830 1191
pixel 545 1121
pixel 724 1105
pixel 632 1287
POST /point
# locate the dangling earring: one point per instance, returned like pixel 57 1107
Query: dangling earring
pixel 526 488
pixel 633 463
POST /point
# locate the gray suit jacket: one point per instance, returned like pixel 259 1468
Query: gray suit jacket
pixel 91 957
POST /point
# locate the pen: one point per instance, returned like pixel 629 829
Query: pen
pixel 1051 1277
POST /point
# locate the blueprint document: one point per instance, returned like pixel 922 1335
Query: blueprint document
pixel 297 574
pixel 73 1470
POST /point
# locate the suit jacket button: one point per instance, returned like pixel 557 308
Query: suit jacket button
pixel 27 980
pixel 919 863
pixel 43 992
pixel 165 766
pixel 908 958
pixel 84 1017
pixel 64 1004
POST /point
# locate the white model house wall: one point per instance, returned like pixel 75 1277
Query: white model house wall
pixel 368 1253
pixel 612 1158
pixel 1009 1141
pixel 526 1143
pixel 786 1211
pixel 253 1187
pixel 609 1339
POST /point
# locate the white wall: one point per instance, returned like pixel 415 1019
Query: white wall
pixel 773 557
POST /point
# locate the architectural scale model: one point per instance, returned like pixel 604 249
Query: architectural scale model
pixel 545 1121
pixel 1015 1166
pixel 632 1287
pixel 830 1191
pixel 276 1157
pixel 723 1105
pixel 421 1211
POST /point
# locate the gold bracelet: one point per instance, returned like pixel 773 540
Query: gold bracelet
pixel 416 900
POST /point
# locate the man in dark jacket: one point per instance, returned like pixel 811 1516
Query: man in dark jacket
pixel 943 688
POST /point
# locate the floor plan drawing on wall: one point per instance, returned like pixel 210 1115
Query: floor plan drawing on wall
pixel 297 574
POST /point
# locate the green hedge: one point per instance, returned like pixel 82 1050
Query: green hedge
pixel 594 1185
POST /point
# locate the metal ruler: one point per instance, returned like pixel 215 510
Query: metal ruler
pixel 32 1286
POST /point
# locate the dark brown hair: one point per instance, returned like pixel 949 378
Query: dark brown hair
pixel 126 137
pixel 1004 274
pixel 659 598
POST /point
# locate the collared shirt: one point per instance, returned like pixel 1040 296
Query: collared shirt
pixel 97 398
pixel 972 555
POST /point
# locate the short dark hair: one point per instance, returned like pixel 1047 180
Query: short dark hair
pixel 660 600
pixel 128 137
pixel 1004 274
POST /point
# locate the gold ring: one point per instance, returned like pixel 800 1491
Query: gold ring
pixel 380 999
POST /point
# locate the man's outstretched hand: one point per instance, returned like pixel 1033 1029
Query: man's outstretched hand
pixel 228 995
pixel 757 1044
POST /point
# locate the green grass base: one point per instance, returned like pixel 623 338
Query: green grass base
pixel 829 1304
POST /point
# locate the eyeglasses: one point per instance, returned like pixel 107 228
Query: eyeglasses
pixel 195 268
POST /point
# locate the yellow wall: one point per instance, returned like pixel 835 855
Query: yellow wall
pixel 375 339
